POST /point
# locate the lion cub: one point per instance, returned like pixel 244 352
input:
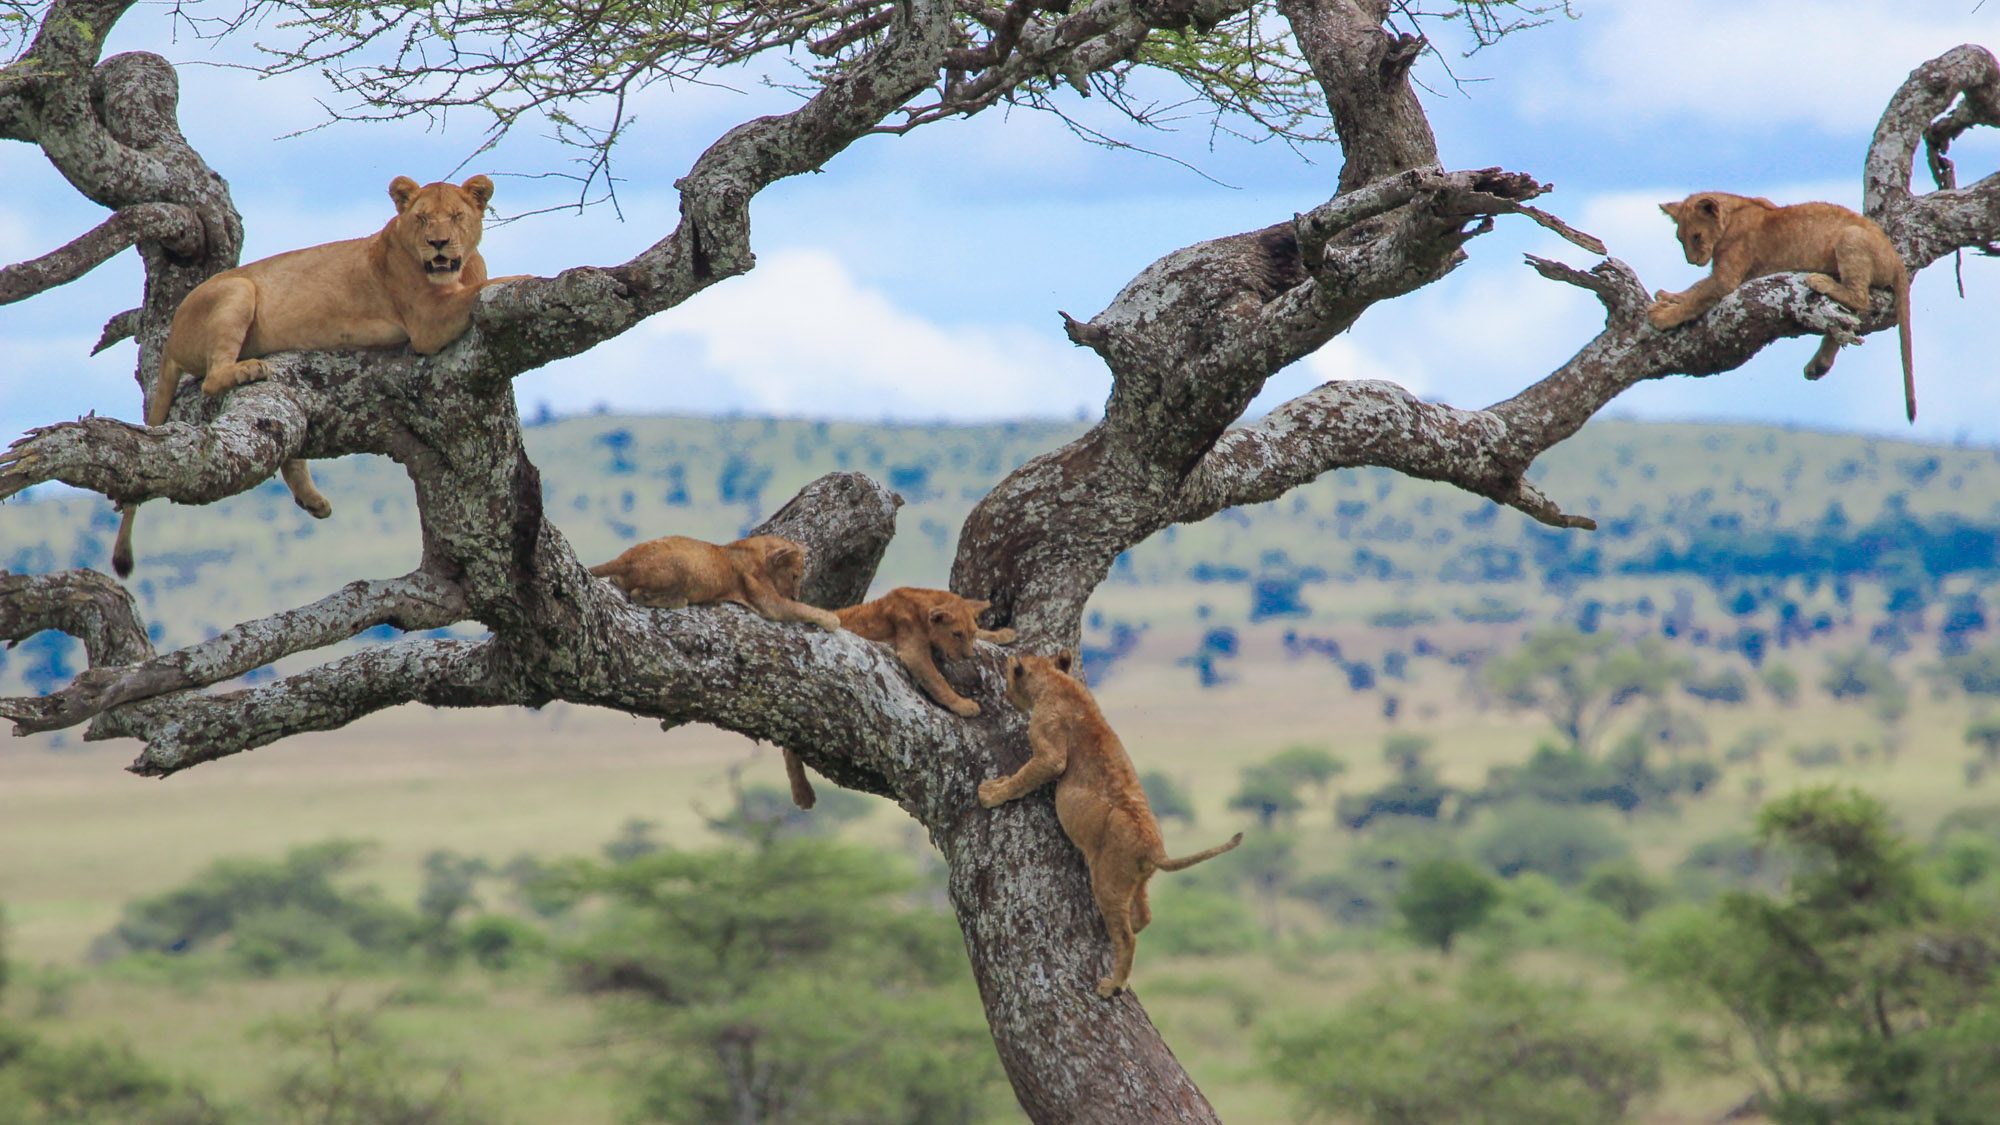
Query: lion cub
pixel 1843 253
pixel 414 281
pixel 913 622
pixel 762 572
pixel 1098 799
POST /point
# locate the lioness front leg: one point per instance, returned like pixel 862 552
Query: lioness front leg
pixel 916 656
pixel 1046 763
pixel 231 310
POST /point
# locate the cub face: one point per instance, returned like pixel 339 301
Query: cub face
pixel 440 224
pixel 1698 222
pixel 781 561
pixel 954 625
pixel 1026 674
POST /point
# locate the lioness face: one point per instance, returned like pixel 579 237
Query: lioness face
pixel 1698 222
pixel 439 224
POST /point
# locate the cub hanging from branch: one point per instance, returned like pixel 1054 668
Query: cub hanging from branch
pixel 413 281
pixel 1099 801
pixel 1843 253
pixel 913 622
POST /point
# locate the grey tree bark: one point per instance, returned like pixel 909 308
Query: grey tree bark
pixel 1189 342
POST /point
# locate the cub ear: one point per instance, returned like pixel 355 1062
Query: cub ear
pixel 479 188
pixel 1063 661
pixel 1707 206
pixel 940 615
pixel 786 553
pixel 402 189
pixel 978 608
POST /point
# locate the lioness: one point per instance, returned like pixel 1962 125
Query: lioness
pixel 1099 801
pixel 412 281
pixel 1843 253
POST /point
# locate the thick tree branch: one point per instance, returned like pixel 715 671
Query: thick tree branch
pixel 171 225
pixel 1365 70
pixel 410 603
pixel 186 729
pixel 262 426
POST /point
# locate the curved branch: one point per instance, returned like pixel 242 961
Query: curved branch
pixel 261 427
pixel 527 324
pixel 1917 114
pixel 186 729
pixel 83 603
pixel 413 602
pixel 1365 422
pixel 173 226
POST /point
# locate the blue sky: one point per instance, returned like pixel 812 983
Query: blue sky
pixel 919 277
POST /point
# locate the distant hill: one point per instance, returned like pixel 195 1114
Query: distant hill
pixel 1712 503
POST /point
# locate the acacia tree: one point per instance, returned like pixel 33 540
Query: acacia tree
pixel 1189 342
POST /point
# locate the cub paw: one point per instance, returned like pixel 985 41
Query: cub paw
pixel 1664 314
pixel 965 709
pixel 997 636
pixel 1816 368
pixel 990 794
pixel 1107 988
pixel 318 507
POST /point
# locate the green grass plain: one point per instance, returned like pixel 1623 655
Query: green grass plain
pixel 79 837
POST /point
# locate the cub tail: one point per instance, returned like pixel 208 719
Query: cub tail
pixel 1165 863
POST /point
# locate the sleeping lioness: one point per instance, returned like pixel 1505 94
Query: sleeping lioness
pixel 412 282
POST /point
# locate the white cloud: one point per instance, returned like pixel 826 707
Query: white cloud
pixel 800 335
pixel 1755 64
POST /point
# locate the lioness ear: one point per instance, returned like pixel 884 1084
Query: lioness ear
pixel 479 188
pixel 402 189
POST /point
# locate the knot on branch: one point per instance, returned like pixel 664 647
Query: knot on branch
pixel 139 98
pixel 845 522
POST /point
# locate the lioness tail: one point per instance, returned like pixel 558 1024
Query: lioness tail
pixel 1903 332
pixel 156 415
